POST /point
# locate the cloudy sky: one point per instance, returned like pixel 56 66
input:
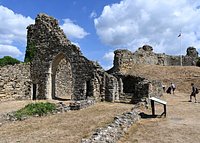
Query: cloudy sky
pixel 101 26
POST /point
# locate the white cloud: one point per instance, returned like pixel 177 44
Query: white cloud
pixel 93 14
pixel 133 23
pixel 76 44
pixel 13 26
pixel 7 50
pixel 72 30
pixel 108 60
pixel 12 31
pixel 108 56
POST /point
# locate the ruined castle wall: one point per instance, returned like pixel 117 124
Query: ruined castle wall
pixel 112 88
pixel 78 77
pixel 15 82
pixel 146 89
pixel 137 89
pixel 124 59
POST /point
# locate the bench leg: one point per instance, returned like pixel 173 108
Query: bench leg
pixel 165 111
pixel 153 107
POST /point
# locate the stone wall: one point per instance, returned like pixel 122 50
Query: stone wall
pixel 145 55
pixel 59 69
pixel 15 82
pixel 146 89
pixel 115 130
pixel 63 82
pixel 136 89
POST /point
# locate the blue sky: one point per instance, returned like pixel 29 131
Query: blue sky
pixel 101 26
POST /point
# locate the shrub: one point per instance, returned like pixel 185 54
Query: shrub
pixel 7 60
pixel 39 109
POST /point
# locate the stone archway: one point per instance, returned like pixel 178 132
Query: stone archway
pixel 61 78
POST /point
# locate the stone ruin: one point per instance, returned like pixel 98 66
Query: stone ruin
pixel 145 55
pixel 60 71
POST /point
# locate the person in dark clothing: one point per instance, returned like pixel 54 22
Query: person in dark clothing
pixel 193 93
pixel 169 89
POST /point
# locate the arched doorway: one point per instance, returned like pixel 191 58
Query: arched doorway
pixel 62 83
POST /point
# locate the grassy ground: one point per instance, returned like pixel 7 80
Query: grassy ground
pixel 67 127
pixel 181 76
pixel 180 126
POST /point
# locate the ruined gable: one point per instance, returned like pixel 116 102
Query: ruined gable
pixel 59 69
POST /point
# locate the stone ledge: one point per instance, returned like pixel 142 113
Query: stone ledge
pixel 76 105
pixel 114 131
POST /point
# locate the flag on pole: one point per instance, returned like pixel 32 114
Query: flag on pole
pixel 179 35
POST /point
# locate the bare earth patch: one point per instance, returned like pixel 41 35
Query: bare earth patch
pixel 181 125
pixel 68 127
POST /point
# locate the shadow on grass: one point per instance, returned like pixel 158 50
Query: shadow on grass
pixel 147 116
pixel 190 101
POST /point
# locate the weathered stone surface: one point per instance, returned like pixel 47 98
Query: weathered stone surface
pixel 15 82
pixel 59 69
pixel 192 52
pixel 136 89
pixel 112 132
pixel 144 55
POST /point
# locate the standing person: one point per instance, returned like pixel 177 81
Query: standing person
pixel 193 93
pixel 173 86
pixel 163 86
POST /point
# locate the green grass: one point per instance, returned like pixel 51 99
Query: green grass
pixel 32 109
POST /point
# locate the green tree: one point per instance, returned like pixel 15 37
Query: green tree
pixel 30 52
pixel 198 62
pixel 7 60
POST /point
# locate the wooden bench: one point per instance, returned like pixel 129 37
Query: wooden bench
pixel 164 103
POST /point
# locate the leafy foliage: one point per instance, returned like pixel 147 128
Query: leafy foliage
pixel 39 109
pixel 30 52
pixel 198 62
pixel 7 60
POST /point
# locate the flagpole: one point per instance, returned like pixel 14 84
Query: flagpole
pixel 181 58
pixel 181 51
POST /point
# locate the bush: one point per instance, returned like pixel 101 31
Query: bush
pixel 39 109
pixel 7 60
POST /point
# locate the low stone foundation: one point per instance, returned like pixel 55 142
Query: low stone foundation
pixel 115 130
pixel 76 105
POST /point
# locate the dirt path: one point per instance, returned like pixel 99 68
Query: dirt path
pixel 182 124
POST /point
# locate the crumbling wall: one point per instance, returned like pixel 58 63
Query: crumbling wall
pixel 146 89
pixel 144 55
pixel 136 89
pixel 78 77
pixel 51 46
pixel 15 82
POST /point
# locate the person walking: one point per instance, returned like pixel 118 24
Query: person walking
pixel 193 93
pixel 173 87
